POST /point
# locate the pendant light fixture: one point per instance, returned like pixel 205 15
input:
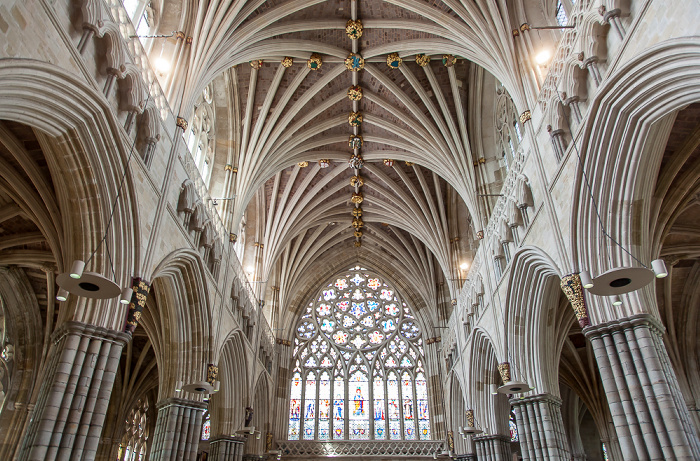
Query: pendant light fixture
pixel 618 280
pixel 92 285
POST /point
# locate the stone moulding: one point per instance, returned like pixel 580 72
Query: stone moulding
pixel 361 448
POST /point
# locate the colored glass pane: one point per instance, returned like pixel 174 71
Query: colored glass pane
pixel 367 329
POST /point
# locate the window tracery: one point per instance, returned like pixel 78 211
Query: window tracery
pixel 359 370
pixel 134 442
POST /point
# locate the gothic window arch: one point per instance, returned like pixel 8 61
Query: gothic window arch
pixel 134 444
pixel 359 365
pixel 201 135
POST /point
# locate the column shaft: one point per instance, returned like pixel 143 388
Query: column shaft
pixel 493 448
pixel 178 429
pixel 541 428
pixel 74 395
pixel 648 412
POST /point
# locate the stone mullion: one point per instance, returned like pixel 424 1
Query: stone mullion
pixel 302 403
pixel 317 408
pixel 346 418
pixel 401 415
pixel 370 403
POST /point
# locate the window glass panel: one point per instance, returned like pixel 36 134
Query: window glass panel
pixel 379 411
pixel 357 349
pixel 562 18
pixel 310 406
pixel 324 406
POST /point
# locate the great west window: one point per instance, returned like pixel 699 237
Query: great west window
pixel 358 365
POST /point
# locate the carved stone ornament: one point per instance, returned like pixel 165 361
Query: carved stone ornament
pixel 303 164
pixel 355 93
pixel 388 162
pixel 409 163
pixel 422 59
pixel 354 62
pixel 355 118
pixel 480 235
pixel 357 233
pixel 470 418
pixel 358 243
pixel 448 60
pixel 256 63
pixel 181 123
pixel 232 238
pixel 356 162
pixel 136 304
pixel 454 302
pixel 287 61
pixel 212 373
pixel 355 142
pixel 354 29
pixel 357 198
pixel 573 289
pixel 357 181
pixel 504 370
pixel 357 212
pixel 525 116
pixel 394 61
pixel 228 167
pixel 324 163
pixel 315 62
pixel 357 223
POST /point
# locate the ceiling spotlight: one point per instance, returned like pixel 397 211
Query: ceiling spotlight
pixel 494 389
pixel 62 295
pixel 126 295
pixel 464 266
pixel 76 270
pixel 543 57
pixel 616 301
pixel 659 268
pixel 178 386
pixel 586 279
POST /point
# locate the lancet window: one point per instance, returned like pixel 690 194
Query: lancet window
pixel 358 365
pixel 134 442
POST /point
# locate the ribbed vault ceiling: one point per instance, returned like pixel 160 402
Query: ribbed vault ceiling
pixel 416 211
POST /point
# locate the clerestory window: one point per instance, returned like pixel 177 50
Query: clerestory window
pixel 359 365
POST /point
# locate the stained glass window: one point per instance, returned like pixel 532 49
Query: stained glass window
pixel 562 18
pixel 605 452
pixel 358 371
pixel 513 427
pixel 206 427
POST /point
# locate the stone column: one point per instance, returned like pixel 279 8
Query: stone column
pixel 648 411
pixel 613 17
pixel 225 448
pixel 493 448
pixel 541 428
pixel 74 395
pixel 178 429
